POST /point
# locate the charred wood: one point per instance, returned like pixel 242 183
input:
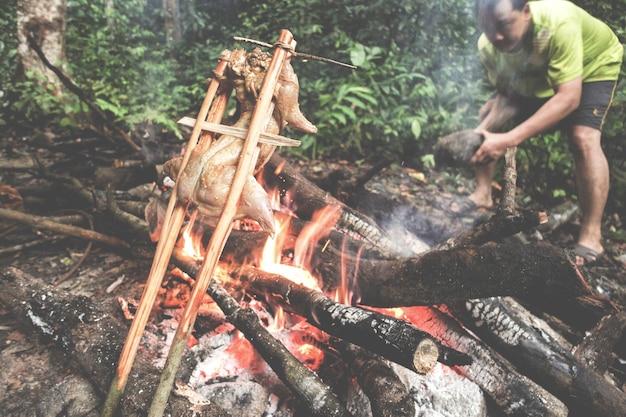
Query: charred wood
pixel 596 349
pixel 396 340
pixel 388 395
pixel 457 274
pixel 515 394
pixel 316 396
pixel 497 228
pixel 545 361
pixel 297 191
pixel 91 339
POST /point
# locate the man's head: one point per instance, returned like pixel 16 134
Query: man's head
pixel 504 22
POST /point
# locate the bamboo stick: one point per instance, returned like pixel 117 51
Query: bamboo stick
pixel 172 223
pixel 247 160
pixel 266 137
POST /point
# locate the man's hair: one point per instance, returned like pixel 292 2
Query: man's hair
pixel 489 5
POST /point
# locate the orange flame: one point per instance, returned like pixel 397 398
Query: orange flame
pixel 191 242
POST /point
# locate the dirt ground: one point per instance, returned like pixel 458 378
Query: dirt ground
pixel 33 368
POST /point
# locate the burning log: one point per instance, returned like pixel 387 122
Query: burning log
pixel 514 393
pixel 307 198
pixel 388 395
pixel 91 337
pixel 497 322
pixel 317 396
pixel 537 271
pixel 396 340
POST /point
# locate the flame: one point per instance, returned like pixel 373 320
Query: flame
pixel 321 223
pixel 192 242
pixel 300 338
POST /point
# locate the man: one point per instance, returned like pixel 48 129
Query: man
pixel 553 65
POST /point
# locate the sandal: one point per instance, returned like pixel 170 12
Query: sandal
pixel 588 255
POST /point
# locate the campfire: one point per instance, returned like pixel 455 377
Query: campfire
pixel 285 301
pixel 230 357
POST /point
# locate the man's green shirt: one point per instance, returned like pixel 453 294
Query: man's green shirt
pixel 566 43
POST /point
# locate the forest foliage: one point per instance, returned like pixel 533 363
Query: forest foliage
pixel 418 76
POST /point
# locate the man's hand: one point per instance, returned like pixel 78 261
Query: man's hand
pixel 492 148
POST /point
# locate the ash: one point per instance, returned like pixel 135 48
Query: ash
pixel 227 374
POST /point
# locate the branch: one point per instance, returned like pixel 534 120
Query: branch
pixel 42 222
pixel 80 93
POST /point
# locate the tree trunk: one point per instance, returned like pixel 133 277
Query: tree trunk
pixel 44 21
pixel 171 17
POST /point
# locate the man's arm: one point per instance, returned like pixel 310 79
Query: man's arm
pixel 565 100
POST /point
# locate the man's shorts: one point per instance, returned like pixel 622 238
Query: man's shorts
pixel 595 101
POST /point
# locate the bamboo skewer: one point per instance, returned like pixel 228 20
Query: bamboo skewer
pixel 265 137
pixel 172 223
pixel 247 160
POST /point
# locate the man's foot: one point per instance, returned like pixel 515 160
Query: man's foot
pixel 464 205
pixel 585 256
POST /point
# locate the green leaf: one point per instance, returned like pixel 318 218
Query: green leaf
pixel 416 128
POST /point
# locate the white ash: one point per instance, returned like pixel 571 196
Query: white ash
pixel 443 393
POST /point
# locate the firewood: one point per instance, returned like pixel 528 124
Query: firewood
pixel 396 340
pixel 557 369
pixel 537 272
pixel 309 198
pixel 388 395
pixel 514 393
pixel 91 339
pixel 526 271
pixel 44 223
pixel 596 349
pixel 316 396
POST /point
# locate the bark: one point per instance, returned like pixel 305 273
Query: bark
pixel 388 395
pixel 43 20
pixel 546 362
pixel 171 17
pixel 514 393
pixel 535 272
pixel 596 349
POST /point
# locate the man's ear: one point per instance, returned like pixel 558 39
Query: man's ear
pixel 526 11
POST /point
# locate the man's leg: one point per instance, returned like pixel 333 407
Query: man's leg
pixel 482 193
pixel 494 115
pixel 592 184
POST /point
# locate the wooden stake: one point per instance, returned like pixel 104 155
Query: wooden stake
pixel 172 223
pixel 247 160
